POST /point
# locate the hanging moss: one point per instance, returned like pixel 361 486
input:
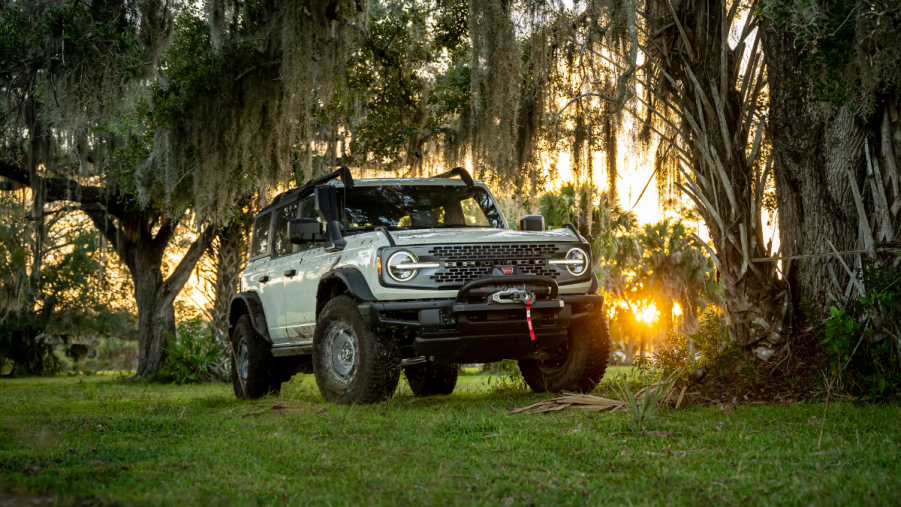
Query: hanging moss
pixel 495 86
pixel 67 69
pixel 232 112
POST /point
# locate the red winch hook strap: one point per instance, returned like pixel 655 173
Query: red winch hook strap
pixel 529 317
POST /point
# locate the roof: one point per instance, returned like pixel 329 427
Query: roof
pixel 307 189
pixel 376 182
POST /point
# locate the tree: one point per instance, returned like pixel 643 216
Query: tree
pixel 835 69
pixel 230 98
pixel 86 55
pixel 140 238
pixel 75 297
pixel 675 269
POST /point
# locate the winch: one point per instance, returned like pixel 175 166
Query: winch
pixel 514 294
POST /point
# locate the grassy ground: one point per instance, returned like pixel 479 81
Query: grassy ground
pixel 97 438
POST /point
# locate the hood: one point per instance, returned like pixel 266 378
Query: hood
pixel 481 235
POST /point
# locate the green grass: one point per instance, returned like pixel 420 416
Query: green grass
pixel 106 440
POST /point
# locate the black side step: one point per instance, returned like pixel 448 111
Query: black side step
pixel 299 350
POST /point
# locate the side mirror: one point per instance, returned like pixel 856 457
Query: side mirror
pixel 531 223
pixel 304 230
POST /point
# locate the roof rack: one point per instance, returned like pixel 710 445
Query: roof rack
pixel 342 172
pixel 458 171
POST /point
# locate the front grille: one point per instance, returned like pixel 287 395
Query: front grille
pixel 462 263
pixel 540 271
pixel 460 275
pixel 493 251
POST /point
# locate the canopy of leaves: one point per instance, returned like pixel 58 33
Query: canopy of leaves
pixel 851 48
pixel 66 65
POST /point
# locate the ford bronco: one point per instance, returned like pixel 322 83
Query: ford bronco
pixel 355 280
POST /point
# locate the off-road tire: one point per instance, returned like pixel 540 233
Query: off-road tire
pixel 432 380
pixel 353 364
pixel 265 373
pixel 582 364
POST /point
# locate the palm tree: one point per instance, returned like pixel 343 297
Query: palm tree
pixel 676 269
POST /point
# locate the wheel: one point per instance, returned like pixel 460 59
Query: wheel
pixel 353 365
pixel 581 362
pixel 429 380
pixel 254 371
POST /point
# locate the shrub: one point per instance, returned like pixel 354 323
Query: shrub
pixel 674 353
pixel 97 352
pixel 862 336
pixel 194 356
pixel 508 378
pixel 709 347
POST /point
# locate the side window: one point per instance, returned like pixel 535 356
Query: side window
pixel 308 210
pixel 280 241
pixel 259 245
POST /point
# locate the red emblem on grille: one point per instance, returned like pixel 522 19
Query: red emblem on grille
pixel 507 271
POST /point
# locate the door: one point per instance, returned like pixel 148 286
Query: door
pixel 259 273
pixel 280 266
pixel 300 291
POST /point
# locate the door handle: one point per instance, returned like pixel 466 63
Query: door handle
pixel 290 272
pixel 263 279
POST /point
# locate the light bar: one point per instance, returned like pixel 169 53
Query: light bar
pixel 415 265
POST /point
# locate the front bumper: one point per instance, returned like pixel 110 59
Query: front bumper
pixel 473 328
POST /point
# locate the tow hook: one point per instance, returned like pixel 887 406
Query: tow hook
pixel 513 295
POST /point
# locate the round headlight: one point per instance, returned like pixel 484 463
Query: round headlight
pixel 396 269
pixel 577 254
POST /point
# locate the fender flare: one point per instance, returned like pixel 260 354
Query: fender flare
pixel 353 279
pixel 248 303
pixel 594 284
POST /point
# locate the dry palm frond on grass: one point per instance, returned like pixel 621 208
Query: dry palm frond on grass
pixel 571 401
pixel 669 393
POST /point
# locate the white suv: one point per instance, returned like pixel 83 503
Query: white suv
pixel 354 280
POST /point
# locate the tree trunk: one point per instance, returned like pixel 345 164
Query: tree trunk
pixel 666 316
pixel 156 316
pixel 143 253
pixel 814 160
pixel 229 256
pixel 720 110
pixel 630 350
pixel 38 149
pixel 641 347
pixel 689 323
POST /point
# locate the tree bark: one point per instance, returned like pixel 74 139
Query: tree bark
pixel 156 316
pixel 815 159
pixel 229 255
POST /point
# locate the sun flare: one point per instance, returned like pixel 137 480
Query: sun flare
pixel 648 314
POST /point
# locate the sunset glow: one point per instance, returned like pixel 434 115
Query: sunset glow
pixel 648 314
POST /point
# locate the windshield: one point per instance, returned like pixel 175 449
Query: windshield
pixel 419 206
